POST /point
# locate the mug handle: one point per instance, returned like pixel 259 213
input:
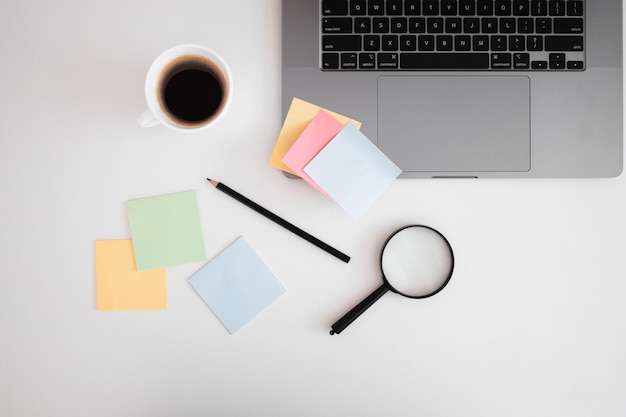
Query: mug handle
pixel 148 119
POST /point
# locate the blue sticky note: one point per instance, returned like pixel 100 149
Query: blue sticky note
pixel 237 285
pixel 352 171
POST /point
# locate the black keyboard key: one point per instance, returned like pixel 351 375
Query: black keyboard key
pixel 454 25
pixel 521 8
pixel 399 24
pixel 525 25
pixel 539 7
pixel 375 7
pixel 349 60
pixel 431 7
pixel 517 43
pixel 330 61
pixel 444 61
pixel 557 8
pixel 564 43
pixel 426 43
pixel 501 61
pixel 341 43
pixel 334 7
pixel 434 25
pixel 574 8
pixel 499 43
pixel 390 42
pixel 358 7
pixel 507 25
pixel 556 65
pixel 557 57
pixel 543 25
pixel 381 25
pixel 471 25
pixel 448 7
pixel 503 8
pixel 408 43
pixel 489 25
pixel 521 61
pixel 394 7
pixel 467 7
pixel 534 43
pixel 371 43
pixel 337 25
pixel 387 61
pixel 412 7
pixel 568 25
pixel 417 25
pixel 362 25
pixel 575 65
pixel 462 43
pixel 445 43
pixel 484 7
pixel 480 43
pixel 367 61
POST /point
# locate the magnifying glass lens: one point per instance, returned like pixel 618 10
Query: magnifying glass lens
pixel 417 261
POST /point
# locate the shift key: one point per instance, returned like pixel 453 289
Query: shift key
pixel 341 42
pixel 564 43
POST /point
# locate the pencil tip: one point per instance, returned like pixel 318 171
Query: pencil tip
pixel 212 182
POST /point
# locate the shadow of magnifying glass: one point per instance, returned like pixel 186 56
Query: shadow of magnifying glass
pixel 416 261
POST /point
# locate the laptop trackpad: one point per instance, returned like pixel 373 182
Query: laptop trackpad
pixel 455 123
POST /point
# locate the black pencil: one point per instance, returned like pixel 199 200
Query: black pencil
pixel 278 220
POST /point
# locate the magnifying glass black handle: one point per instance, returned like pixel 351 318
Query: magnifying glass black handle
pixel 360 308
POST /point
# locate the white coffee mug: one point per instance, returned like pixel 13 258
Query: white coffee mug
pixel 188 88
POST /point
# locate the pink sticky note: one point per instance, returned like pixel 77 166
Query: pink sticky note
pixel 322 129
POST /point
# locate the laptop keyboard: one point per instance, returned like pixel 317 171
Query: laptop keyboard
pixel 467 35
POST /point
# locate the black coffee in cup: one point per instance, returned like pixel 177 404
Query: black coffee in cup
pixel 192 90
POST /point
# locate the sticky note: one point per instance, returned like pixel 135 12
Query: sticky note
pixel 237 285
pixel 300 114
pixel 119 286
pixel 315 136
pixel 166 230
pixel 352 171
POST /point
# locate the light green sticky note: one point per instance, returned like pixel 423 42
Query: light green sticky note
pixel 166 230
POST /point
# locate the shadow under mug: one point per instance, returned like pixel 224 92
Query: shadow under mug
pixel 188 88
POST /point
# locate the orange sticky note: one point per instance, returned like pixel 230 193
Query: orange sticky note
pixel 300 114
pixel 119 286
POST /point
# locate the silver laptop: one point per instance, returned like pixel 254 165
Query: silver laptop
pixel 467 88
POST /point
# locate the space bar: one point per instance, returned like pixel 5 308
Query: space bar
pixel 444 61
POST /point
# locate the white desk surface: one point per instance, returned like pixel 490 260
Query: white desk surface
pixel 533 322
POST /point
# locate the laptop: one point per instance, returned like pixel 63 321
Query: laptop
pixel 466 88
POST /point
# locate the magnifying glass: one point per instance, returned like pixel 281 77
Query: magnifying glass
pixel 416 261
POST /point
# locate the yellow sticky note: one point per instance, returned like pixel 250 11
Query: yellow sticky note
pixel 119 286
pixel 300 114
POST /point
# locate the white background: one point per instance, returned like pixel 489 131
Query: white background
pixel 533 322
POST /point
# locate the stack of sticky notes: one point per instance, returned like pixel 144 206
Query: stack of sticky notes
pixel 166 231
pixel 329 152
